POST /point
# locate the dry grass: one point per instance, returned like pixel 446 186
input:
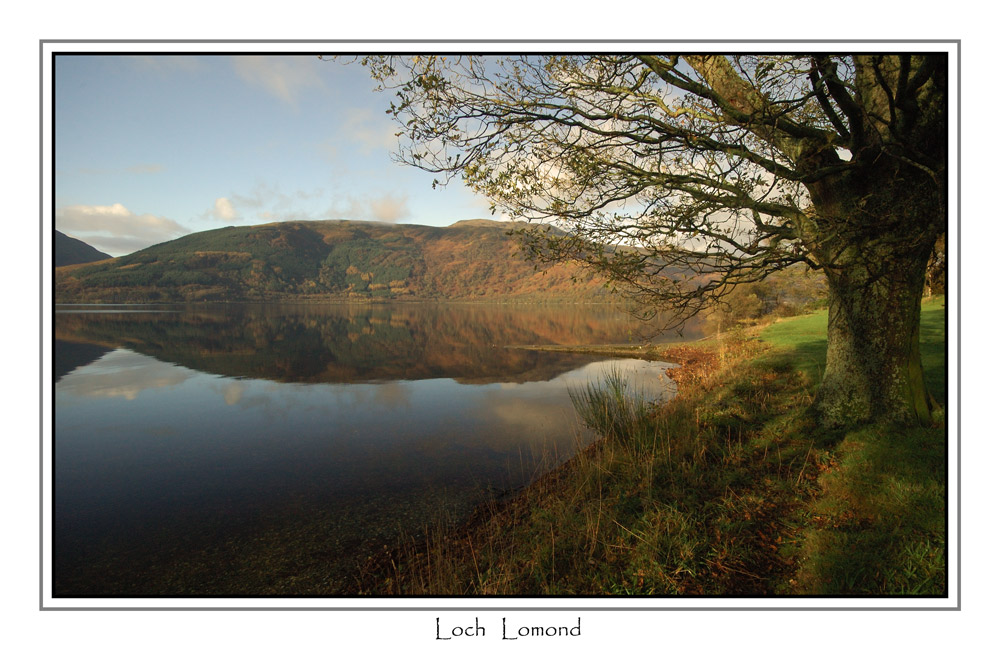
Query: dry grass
pixel 666 503
pixel 730 488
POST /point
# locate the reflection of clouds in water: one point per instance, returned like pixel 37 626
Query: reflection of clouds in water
pixel 383 395
pixel 276 400
pixel 541 416
pixel 527 411
pixel 647 378
pixel 232 393
pixel 537 418
pixel 392 395
pixel 270 400
pixel 122 374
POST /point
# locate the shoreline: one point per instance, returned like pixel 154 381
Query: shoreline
pixel 730 488
pixel 505 509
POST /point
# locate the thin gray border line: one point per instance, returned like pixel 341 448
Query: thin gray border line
pixel 958 392
pixel 41 325
pixel 500 609
pixel 499 41
pixel 958 322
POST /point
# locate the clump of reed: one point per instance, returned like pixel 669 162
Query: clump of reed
pixel 613 409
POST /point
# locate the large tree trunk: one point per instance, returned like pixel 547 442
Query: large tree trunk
pixel 873 369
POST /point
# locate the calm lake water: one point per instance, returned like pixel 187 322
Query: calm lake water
pixel 271 449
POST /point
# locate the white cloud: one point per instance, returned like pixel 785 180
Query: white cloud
pixel 223 210
pixel 285 77
pixel 479 206
pixel 388 208
pixel 115 229
pixel 269 202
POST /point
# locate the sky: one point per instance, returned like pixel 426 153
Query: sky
pixel 150 148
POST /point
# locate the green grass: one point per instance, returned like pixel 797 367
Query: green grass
pixel 933 347
pixel 878 525
pixel 802 341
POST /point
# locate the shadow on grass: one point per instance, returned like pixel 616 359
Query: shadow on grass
pixel 807 357
pixel 878 525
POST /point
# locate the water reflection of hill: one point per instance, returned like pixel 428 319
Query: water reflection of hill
pixel 68 356
pixel 354 343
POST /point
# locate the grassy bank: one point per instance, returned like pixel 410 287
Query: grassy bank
pixel 729 488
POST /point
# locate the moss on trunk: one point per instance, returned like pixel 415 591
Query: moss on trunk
pixel 873 368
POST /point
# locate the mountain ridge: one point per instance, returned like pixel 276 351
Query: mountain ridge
pixel 70 250
pixel 330 260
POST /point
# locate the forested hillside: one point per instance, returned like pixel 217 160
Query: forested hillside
pixel 328 259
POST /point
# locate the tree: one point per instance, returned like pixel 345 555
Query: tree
pixel 680 177
pixel 937 268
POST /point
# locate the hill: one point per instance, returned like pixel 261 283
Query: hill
pixel 347 343
pixel 485 223
pixel 68 250
pixel 348 260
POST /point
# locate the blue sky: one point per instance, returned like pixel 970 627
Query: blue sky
pixel 149 148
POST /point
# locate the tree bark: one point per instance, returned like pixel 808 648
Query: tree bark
pixel 875 230
pixel 873 367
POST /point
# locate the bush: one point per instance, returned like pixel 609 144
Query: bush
pixel 790 292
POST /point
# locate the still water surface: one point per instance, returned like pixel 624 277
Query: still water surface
pixel 271 449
